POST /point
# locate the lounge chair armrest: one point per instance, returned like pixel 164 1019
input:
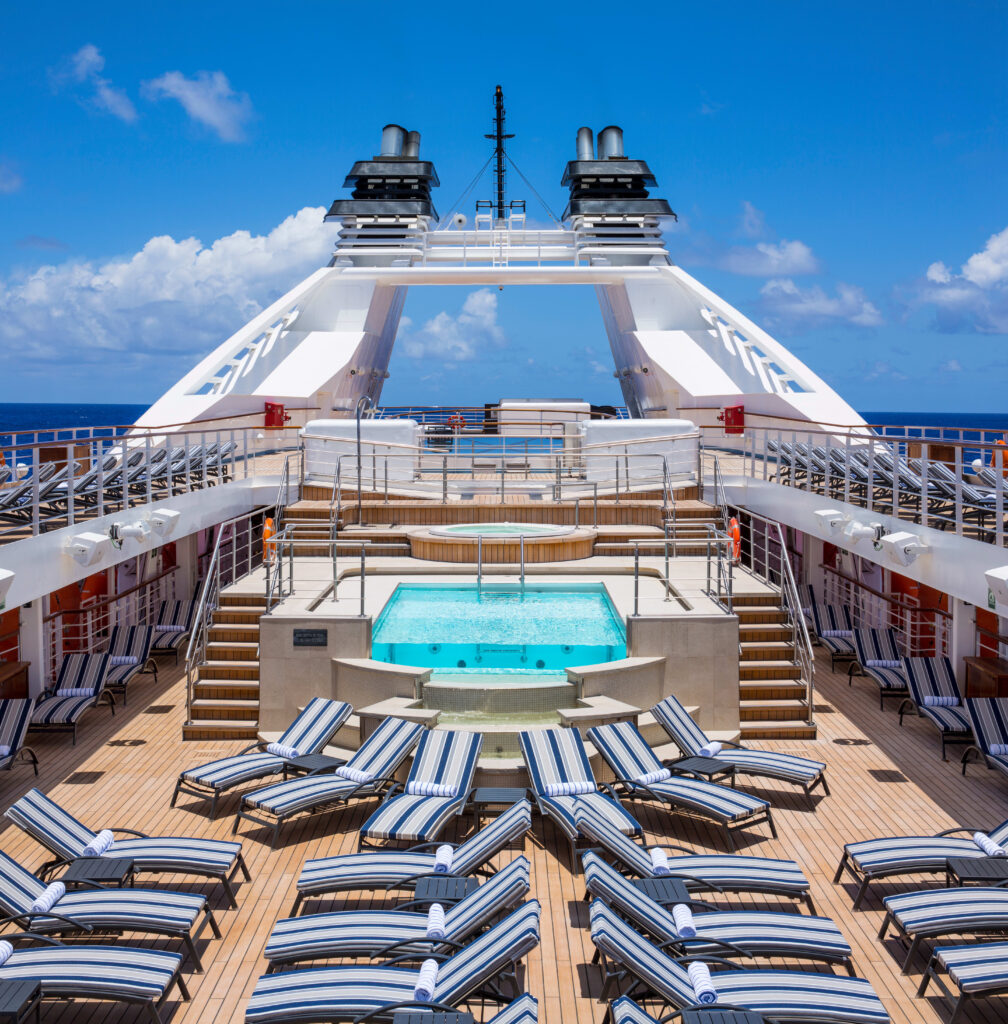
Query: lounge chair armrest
pixel 385 950
pixel 958 828
pixel 258 745
pixel 434 844
pixel 410 957
pixel 399 883
pixel 609 790
pixel 708 960
pixel 975 751
pixel 386 1010
pixel 720 943
pixel 697 1006
pixel 329 768
pixel 34 937
pixel 57 917
pixel 410 903
pixel 701 905
pixel 130 832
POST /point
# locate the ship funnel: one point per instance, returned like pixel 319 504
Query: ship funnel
pixel 585 144
pixel 610 143
pixel 412 147
pixel 392 138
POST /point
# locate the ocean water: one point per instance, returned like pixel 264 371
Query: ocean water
pixel 16 417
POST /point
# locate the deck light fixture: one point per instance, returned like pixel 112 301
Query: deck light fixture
pixel 831 520
pixel 997 585
pixel 904 547
pixel 88 548
pixel 163 520
pixel 6 579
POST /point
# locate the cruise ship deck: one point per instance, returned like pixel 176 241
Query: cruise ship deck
pixel 883 780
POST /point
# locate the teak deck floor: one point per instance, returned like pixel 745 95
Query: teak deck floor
pixel 884 780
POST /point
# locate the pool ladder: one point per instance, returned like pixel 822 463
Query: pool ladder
pixel 479 562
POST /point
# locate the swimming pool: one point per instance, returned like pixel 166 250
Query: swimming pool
pixel 543 627
pixel 501 530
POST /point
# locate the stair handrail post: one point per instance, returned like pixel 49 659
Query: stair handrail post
pixel 479 565
pixel 444 479
pixel 362 576
pixel 577 513
pixel 364 402
pixel 636 579
pixel 595 503
pixel 667 587
pixel 521 551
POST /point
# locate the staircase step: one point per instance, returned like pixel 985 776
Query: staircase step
pixel 219 729
pixel 242 600
pixel 774 710
pixel 229 669
pixel 756 600
pixel 793 729
pixel 238 615
pixel 227 632
pixel 224 708
pixel 226 689
pixel 759 614
pixel 772 689
pixel 233 650
pixel 761 632
pixel 766 650
pixel 749 670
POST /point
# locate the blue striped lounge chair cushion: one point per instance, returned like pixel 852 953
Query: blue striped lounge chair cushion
pixel 15 717
pixel 308 733
pixel 774 994
pixel 899 855
pixel 679 724
pixel 832 619
pixel 949 911
pixel 933 677
pixel 977 967
pixel 84 971
pixel 445 758
pixel 128 642
pixel 558 756
pixel 388 867
pixel 78 672
pixel 880 645
pixel 733 872
pixel 61 833
pixel 523 1010
pixel 325 936
pixel 989 716
pixel 760 933
pixel 349 991
pixel 630 757
pixel 381 753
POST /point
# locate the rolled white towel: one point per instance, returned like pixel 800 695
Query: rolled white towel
pixel 6 951
pixel 988 845
pixel 683 917
pixel 659 861
pixel 354 774
pixel 703 986
pixel 99 846
pixel 282 750
pixel 443 859
pixel 581 788
pixel 652 777
pixel 711 749
pixel 423 990
pixel 177 628
pixel 430 789
pixel 123 659
pixel 48 898
pixel 940 702
pixel 75 691
pixel 4 750
pixel 999 749
pixel 436 922
pixel 883 663
pixel 837 633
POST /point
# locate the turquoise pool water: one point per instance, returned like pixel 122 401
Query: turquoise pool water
pixel 530 530
pixel 546 627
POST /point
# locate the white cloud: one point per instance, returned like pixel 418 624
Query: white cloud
pixel 10 180
pixel 771 259
pixel 171 297
pixel 753 223
pixel 952 366
pixel 976 298
pixel 84 68
pixel 207 98
pixel 460 337
pixel 787 304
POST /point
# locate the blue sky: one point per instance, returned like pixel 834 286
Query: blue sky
pixel 839 171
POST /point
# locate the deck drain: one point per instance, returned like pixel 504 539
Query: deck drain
pixel 126 743
pixel 846 741
pixel 159 709
pixel 83 778
pixel 886 775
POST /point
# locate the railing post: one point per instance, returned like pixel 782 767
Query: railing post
pixel 617 479
pixel 595 503
pixel 71 466
pixel 924 480
pixel 521 552
pixel 444 479
pixel 386 479
pixel 577 512
pixel 667 588
pixel 636 579
pixel 479 565
pixel 362 578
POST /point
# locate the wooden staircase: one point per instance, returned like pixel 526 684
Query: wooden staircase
pixel 226 693
pixel 773 697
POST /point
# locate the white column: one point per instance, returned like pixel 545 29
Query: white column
pixel 962 643
pixel 33 645
pixel 185 573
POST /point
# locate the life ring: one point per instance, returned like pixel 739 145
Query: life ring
pixel 269 545
pixel 456 421
pixel 735 532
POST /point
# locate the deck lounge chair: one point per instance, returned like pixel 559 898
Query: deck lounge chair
pixel 776 995
pixel 562 780
pixel 111 974
pixel 769 764
pixel 833 627
pixel 878 656
pixel 436 789
pixel 400 869
pixel 938 913
pixel 313 728
pixel 378 758
pixel 700 871
pixel 976 970
pixel 129 652
pixel 154 911
pixel 641 776
pixel 15 718
pixel 78 688
pixel 934 694
pixel 753 933
pixel 172 626
pixel 989 716
pixel 349 992
pixel 872 859
pixel 67 838
pixel 390 933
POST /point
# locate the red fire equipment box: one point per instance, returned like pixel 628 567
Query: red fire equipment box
pixel 275 415
pixel 734 419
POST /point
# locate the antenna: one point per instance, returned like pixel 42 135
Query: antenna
pixel 498 137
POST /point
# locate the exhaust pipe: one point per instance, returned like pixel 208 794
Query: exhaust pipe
pixel 585 144
pixel 392 138
pixel 411 149
pixel 610 143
